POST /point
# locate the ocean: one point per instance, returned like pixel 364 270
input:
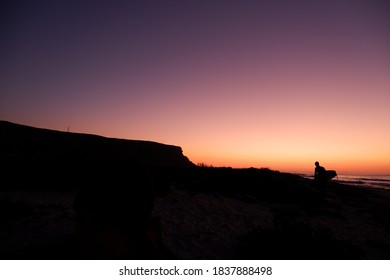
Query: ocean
pixel 370 181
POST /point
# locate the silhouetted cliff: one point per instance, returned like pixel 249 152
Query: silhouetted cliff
pixel 36 157
pixel 20 142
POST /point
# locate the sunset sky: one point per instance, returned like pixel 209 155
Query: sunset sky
pixel 276 84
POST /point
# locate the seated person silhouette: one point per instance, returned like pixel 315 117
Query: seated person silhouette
pixel 320 173
pixel 114 215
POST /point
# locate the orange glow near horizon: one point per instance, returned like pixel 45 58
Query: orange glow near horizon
pixel 253 84
pixel 373 166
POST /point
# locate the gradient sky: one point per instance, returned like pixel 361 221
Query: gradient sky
pixel 276 84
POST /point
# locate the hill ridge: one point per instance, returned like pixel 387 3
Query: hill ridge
pixel 19 142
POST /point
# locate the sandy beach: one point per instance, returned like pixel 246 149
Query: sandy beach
pixel 203 224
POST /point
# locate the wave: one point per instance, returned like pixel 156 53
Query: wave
pixel 382 182
pixel 370 181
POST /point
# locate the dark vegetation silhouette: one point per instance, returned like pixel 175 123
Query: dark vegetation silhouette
pixel 115 183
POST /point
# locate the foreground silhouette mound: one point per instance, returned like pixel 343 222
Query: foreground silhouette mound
pixel 114 216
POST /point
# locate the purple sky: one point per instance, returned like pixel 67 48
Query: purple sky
pixel 241 83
